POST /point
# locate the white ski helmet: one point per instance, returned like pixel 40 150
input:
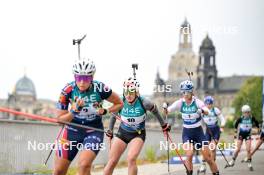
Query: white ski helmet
pixel 245 108
pixel 186 86
pixel 131 84
pixel 83 67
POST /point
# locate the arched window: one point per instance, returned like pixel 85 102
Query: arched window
pixel 211 60
pixel 202 60
pixel 210 82
pixel 198 82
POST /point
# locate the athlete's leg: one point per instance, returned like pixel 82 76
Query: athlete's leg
pixel 215 141
pixel 208 138
pixel 117 148
pixel 92 143
pixel 238 147
pixel 248 148
pixel 85 162
pixel 61 166
pixel 208 158
pixel 188 148
pixel 213 147
pixel 135 147
pixel 202 168
pixel 259 143
pixel 239 144
pixel 64 153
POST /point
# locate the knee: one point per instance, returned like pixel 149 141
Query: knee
pixel 209 160
pixel 59 171
pixel 189 156
pixel 189 159
pixel 248 149
pixel 112 162
pixel 131 160
pixel 84 165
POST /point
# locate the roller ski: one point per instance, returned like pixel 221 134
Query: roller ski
pixel 202 169
pixel 250 166
pixel 245 160
pixel 230 164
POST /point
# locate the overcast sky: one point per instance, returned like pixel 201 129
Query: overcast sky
pixel 37 35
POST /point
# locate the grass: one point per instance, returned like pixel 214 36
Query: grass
pixel 150 154
pixel 71 171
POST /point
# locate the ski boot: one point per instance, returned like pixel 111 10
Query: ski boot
pixel 250 166
pixel 190 172
pixel 202 169
pixel 245 160
pixel 231 163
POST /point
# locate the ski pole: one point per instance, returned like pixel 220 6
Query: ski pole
pixel 53 146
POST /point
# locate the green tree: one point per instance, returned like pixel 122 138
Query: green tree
pixel 250 94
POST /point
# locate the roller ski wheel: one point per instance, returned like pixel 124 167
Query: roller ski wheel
pixel 250 167
pixel 201 170
pixel 230 164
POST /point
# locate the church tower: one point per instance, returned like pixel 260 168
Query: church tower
pixel 184 58
pixel 207 72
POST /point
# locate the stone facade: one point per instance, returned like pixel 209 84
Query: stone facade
pixel 24 99
pixel 205 75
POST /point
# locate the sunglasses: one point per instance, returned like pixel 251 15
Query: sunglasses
pixel 129 92
pixel 186 93
pixel 208 104
pixel 84 78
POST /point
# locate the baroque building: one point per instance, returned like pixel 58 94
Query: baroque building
pixel 24 98
pixel 205 74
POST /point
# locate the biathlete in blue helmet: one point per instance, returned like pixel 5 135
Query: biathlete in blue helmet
pixel 191 109
pixel 213 130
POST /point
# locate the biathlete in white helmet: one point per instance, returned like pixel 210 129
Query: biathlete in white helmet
pixel 132 128
pixel 244 125
pixel 78 103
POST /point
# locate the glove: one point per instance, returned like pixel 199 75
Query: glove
pixel 97 105
pixel 109 134
pixel 165 105
pixel 76 105
pixel 102 111
pixel 221 129
pixel 200 111
pixel 166 127
pixel 165 108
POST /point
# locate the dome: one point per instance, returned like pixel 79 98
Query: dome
pixel 207 43
pixel 25 86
